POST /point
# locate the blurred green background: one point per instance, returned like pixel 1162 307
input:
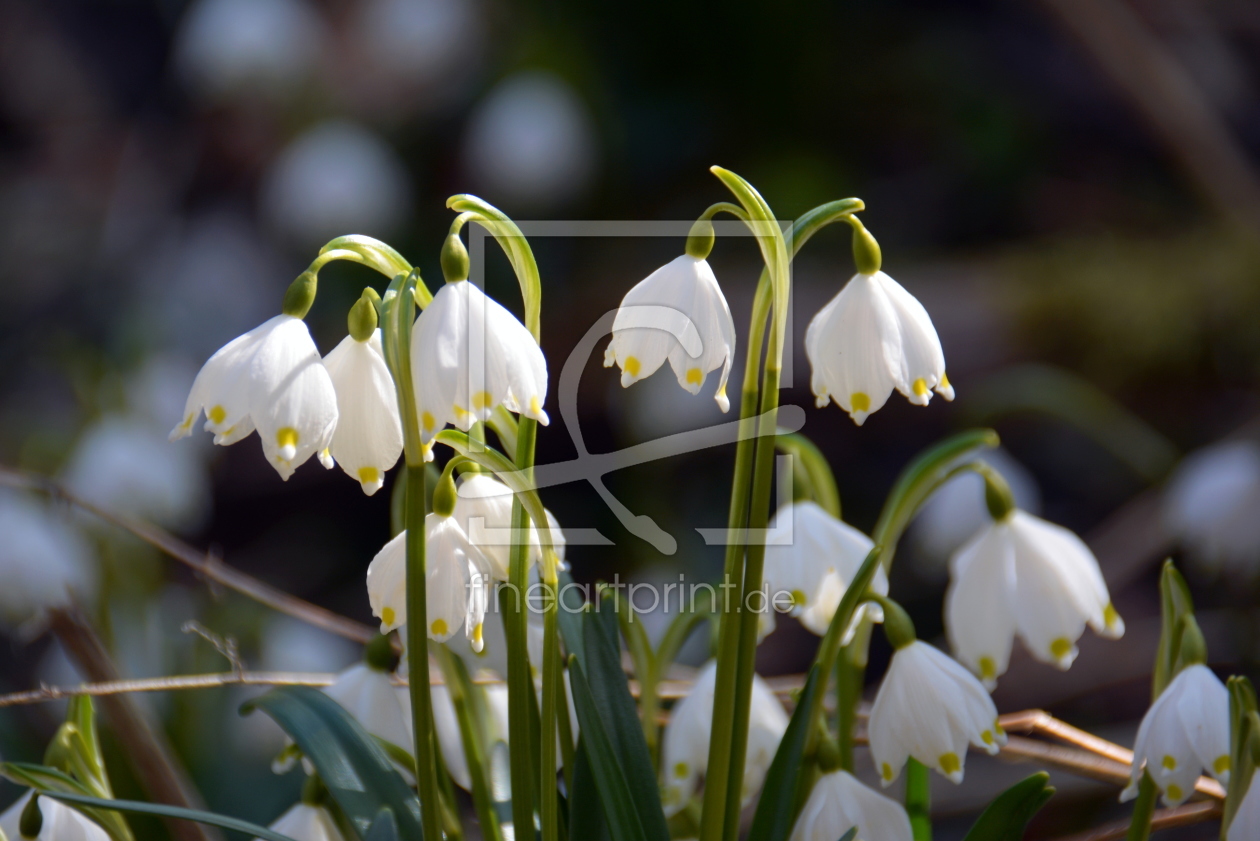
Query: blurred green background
pixel 1069 186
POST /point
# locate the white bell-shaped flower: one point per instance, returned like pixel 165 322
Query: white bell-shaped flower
pixel 273 380
pixel 839 803
pixel 929 708
pixel 450 740
pixel 44 561
pixel 1246 823
pixel 483 509
pixel 458 576
pixel 1023 575
pixel 1210 506
pixel 872 337
pixel 1184 733
pixel 813 557
pixel 370 696
pixel 368 438
pixel 685 745
pixel 469 355
pixel 61 823
pixel 677 313
pixel 304 822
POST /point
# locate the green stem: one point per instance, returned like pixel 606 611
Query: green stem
pixel 850 677
pixel 645 670
pixel 1143 809
pixel 520 677
pixel 552 702
pixel 919 800
pixel 813 466
pixel 461 688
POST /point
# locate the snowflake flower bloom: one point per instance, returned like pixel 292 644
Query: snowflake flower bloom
pixel 685 745
pixel 1022 575
pixel 457 587
pixel 1185 731
pixel 61 823
pixel 839 803
pixel 483 509
pixel 677 313
pixel 370 696
pixel 1246 823
pixel 818 563
pixel 469 355
pixel 929 708
pixel 304 822
pixel 368 438
pixel 271 379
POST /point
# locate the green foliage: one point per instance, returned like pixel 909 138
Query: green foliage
pixel 1008 815
pixel 776 811
pixel 83 802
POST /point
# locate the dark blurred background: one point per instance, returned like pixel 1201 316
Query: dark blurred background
pixel 1070 187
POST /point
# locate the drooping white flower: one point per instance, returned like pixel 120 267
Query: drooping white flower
pixel 685 745
pixel 61 823
pixel 677 313
pixel 839 803
pixel 368 438
pixel 468 355
pixel 1023 575
pixel 872 337
pixel 458 579
pixel 370 696
pixel 1210 506
pixel 929 708
pixel 303 822
pixel 814 559
pixel 272 379
pixel 1246 823
pixel 1184 733
pixel 44 561
pixel 483 509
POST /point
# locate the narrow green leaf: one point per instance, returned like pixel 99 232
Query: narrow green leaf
pixel 50 780
pixel 850 835
pixel 614 792
pixel 1007 816
pixel 569 615
pixel 384 828
pixel 358 773
pixel 620 717
pixel 586 817
pixel 164 811
pixel 776 811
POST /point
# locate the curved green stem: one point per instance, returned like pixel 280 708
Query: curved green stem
pixel 513 242
pixel 374 254
pixel 820 480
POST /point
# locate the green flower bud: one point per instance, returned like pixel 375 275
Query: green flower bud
pixel 32 821
pixel 379 653
pixel 1193 648
pixel 444 493
pixel 700 240
pixel 454 259
pixel 362 319
pixel 997 493
pixel 898 627
pixel 314 792
pixel 300 295
pixel 866 253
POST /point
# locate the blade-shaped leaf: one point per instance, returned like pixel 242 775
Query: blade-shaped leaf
pixel 1008 815
pixel 384 828
pixel 776 811
pixel 606 770
pixel 358 774
pixel 611 693
pixel 162 810
pixel 586 818
pixel 51 781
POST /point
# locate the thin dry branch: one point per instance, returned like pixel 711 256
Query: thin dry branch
pixel 1185 815
pixel 203 563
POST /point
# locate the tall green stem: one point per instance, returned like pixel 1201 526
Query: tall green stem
pixel 919 800
pixel 460 688
pixel 520 676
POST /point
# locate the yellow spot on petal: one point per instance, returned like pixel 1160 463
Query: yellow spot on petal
pixel 860 402
pixel 287 436
pixel 477 634
pixel 919 387
pixel 1174 792
pixel 680 770
pixel 217 415
pixel 1170 762
pixel 1061 647
pixel 988 669
pixel 439 627
pixel 798 598
pixel 631 366
pixel 997 727
pixel 944 383
pixel 187 422
pixel 535 407
pixel 461 412
pixel 1221 765
pixel 388 616
pixel 1110 615
pixel 987 737
pixel 949 763
pixel 428 421
pixel 369 475
pixel 695 376
pixel 482 400
pixel 886 771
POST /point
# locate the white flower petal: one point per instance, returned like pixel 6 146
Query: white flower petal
pixel 61 823
pixel 387 583
pixel 922 361
pixel 978 610
pixel 372 698
pixel 1246 823
pixel 368 439
pixel 307 823
pixel 839 802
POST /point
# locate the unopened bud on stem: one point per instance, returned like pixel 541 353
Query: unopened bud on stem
pixel 700 240
pixel 31 823
pixel 300 295
pixel 866 253
pixel 454 259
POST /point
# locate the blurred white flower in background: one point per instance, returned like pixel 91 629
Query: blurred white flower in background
pixel 233 47
pixel 336 178
pixel 305 822
pixel 157 391
pixel 43 559
pixel 954 514
pixel 291 645
pixel 839 802
pixel 1211 506
pixel 61 823
pixel 531 142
